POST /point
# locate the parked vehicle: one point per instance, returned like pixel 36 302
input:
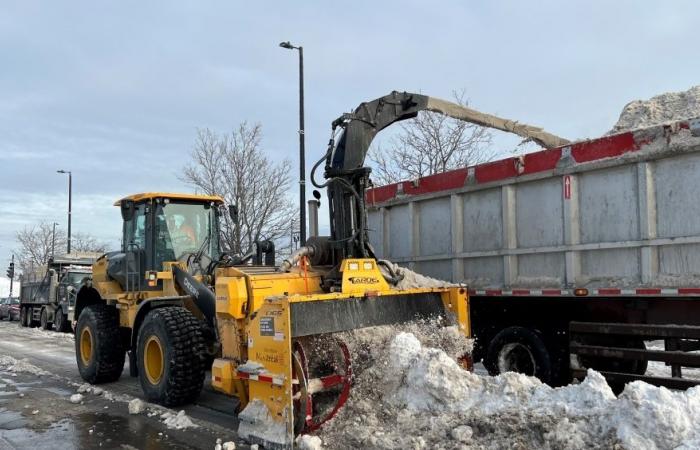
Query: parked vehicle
pixel 47 295
pixel 9 308
pixel 574 256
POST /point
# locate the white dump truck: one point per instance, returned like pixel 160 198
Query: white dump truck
pixel 575 257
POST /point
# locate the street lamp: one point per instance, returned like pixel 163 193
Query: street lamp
pixel 302 164
pixel 70 201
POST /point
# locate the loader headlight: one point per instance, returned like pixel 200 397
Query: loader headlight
pixel 367 265
pixel 354 266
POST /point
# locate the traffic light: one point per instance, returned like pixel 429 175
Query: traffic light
pixel 11 271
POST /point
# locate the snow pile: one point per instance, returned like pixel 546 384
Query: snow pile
pixel 415 396
pixel 179 421
pixel 15 365
pixel 668 107
pixel 76 398
pixel 411 279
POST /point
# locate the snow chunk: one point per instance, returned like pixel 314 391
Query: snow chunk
pixel 308 442
pixel 76 398
pixel 179 421
pixel 137 406
pixel 230 445
pixel 256 423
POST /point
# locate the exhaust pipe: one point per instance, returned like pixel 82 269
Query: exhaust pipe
pixel 203 297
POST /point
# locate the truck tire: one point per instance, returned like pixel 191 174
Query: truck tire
pixel 519 349
pixel 44 320
pixel 59 321
pixel 99 350
pixel 169 355
pixel 26 318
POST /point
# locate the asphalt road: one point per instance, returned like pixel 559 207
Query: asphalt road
pixel 54 352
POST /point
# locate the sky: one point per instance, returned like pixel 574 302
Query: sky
pixel 115 91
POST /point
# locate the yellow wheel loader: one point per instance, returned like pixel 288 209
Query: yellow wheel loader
pixel 178 306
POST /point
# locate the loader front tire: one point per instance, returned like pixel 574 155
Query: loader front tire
pixel 170 356
pixel 99 350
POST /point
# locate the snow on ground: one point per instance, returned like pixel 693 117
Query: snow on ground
pixel 15 365
pixel 38 332
pixel 416 396
pixel 662 108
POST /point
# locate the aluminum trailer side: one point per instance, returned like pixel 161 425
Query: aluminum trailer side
pixel 563 246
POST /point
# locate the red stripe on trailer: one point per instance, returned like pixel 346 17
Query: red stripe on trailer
pixel 648 291
pixel 608 291
pixel 551 292
pixel 542 160
pixel 520 292
pixel 606 147
pixel 493 292
pixel 686 291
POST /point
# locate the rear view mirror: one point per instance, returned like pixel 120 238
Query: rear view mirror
pixel 127 207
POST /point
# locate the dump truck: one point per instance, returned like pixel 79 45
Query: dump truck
pixel 575 256
pixel 177 305
pixel 47 293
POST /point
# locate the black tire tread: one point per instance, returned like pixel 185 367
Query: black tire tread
pixel 186 374
pixel 109 351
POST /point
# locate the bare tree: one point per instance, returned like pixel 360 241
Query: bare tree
pixel 36 243
pixel 235 167
pixel 84 242
pixel 428 144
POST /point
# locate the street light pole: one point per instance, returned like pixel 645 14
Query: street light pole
pixel 302 152
pixel 53 240
pixel 70 201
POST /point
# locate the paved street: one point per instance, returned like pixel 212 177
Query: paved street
pixel 35 410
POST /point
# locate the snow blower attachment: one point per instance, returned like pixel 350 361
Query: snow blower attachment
pixel 290 365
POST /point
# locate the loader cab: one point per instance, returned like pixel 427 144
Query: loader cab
pixel 161 227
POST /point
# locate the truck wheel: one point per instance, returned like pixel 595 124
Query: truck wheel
pixel 98 346
pixel 59 321
pixel 45 324
pixel 518 349
pixel 169 355
pixel 26 317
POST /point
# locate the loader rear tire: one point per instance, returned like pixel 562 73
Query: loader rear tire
pixel 170 356
pixel 99 350
pixel 519 349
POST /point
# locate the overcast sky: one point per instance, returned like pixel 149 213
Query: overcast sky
pixel 114 91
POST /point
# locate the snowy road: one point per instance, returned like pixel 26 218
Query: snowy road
pixel 54 353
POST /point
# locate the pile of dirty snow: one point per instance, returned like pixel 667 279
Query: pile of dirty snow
pixel 668 107
pixel 410 279
pixel 416 396
pixel 16 365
